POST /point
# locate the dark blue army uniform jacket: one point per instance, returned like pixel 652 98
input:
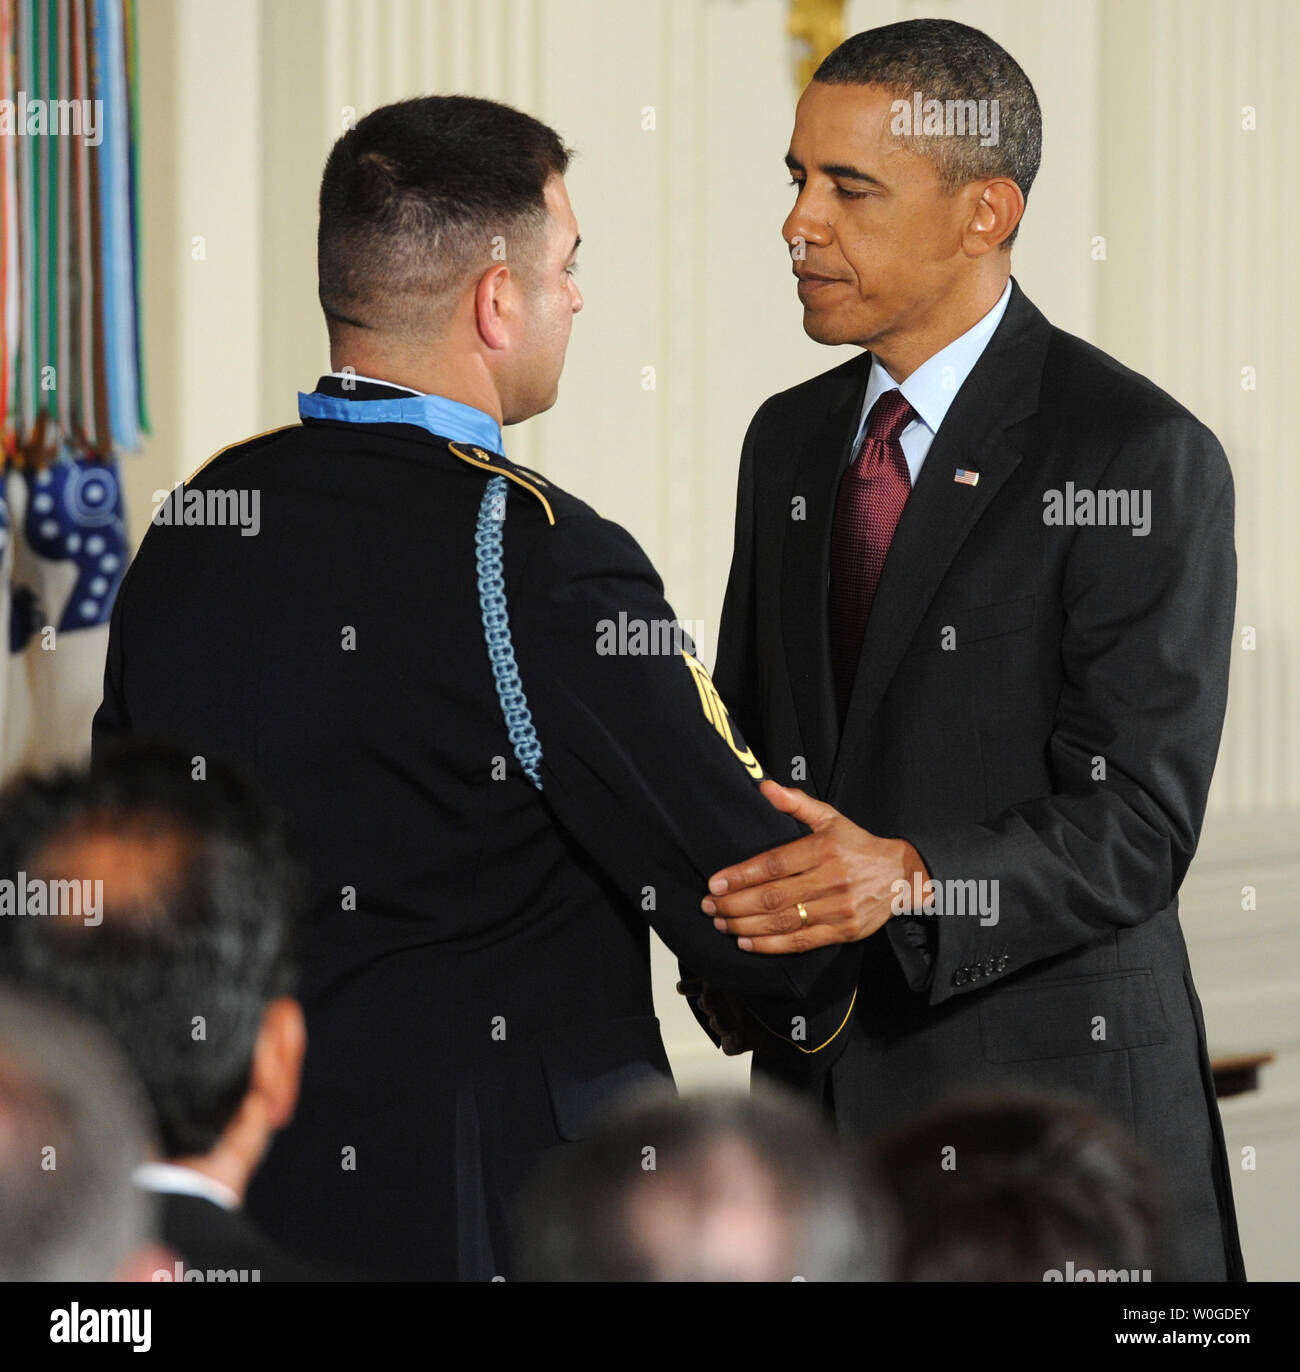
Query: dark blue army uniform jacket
pixel 476 970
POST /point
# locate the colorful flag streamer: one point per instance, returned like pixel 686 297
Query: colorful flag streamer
pixel 71 376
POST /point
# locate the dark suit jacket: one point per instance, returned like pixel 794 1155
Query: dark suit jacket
pixel 477 974
pixel 1006 662
pixel 226 1245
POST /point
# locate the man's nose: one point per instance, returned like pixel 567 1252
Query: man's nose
pixel 802 226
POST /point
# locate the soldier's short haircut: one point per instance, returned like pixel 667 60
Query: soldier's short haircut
pixel 74 1126
pixel 413 200
pixel 947 61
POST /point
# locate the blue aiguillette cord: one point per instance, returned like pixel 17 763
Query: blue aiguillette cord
pixel 463 424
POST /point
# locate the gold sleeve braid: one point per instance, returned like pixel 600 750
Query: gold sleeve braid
pixel 848 1015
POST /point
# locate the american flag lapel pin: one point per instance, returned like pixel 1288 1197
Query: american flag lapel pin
pixel 964 478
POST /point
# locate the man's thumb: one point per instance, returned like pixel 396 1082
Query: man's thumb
pixel 792 801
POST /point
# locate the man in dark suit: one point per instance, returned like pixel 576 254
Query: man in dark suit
pixel 179 949
pixel 981 602
pixel 503 762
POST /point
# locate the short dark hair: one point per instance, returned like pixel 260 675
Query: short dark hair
pixel 411 199
pixel 209 934
pixel 586 1220
pixel 948 61
pixel 1011 1186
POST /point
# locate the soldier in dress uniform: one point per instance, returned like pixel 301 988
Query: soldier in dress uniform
pixel 412 654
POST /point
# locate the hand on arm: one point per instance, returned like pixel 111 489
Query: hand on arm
pixel 1144 651
pixel 849 882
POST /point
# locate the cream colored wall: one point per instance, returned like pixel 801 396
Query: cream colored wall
pixel 1200 284
pixel 684 272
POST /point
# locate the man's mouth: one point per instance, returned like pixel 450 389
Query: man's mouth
pixel 812 282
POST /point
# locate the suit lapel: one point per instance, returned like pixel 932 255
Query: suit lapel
pixel 1001 390
pixel 805 563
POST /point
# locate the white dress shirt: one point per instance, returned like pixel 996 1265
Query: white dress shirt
pixel 933 386
pixel 168 1179
pixel 374 380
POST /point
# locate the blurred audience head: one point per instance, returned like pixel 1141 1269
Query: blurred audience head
pixel 74 1125
pixel 710 1188
pixel 153 895
pixel 1016 1187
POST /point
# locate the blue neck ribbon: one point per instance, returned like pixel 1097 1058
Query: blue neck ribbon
pixel 441 417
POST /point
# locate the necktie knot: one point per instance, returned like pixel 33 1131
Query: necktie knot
pixel 889 416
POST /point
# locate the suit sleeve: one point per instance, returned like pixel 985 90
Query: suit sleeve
pixel 736 671
pixel 1145 651
pixel 643 766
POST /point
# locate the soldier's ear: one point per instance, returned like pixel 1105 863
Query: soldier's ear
pixel 492 304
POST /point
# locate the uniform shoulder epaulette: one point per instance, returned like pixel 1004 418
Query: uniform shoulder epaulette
pixel 230 447
pixel 533 476
pixel 477 457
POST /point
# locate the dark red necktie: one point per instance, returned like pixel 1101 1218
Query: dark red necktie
pixel 872 494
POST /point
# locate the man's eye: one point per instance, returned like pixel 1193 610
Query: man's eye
pixel 571 269
pixel 840 191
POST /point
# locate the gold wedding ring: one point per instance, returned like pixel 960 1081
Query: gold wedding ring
pixel 803 914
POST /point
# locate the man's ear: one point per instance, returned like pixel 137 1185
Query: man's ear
pixel 997 211
pixel 277 1060
pixel 491 302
